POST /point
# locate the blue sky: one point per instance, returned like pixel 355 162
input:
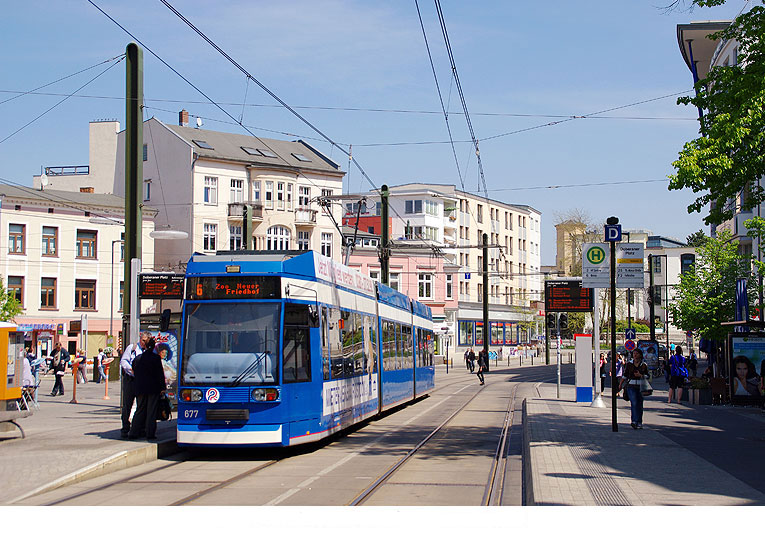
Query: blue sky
pixel 513 58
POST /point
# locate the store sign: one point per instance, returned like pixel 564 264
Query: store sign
pixel 75 327
pixel 30 327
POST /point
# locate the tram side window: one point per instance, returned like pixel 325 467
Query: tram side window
pixel 324 343
pixel 335 343
pixel 420 353
pixel 431 344
pixel 406 332
pixel 370 327
pixel 297 346
pixel 360 347
pixel 389 346
pixel 399 348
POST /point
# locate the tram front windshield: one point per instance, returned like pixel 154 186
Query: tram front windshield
pixel 231 344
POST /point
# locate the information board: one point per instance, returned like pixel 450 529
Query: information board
pixel 160 286
pixel 567 296
pixel 233 287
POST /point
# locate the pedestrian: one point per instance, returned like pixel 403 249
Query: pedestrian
pixel 467 358
pixel 693 363
pixel 148 384
pixel 82 365
pixel 483 364
pixel 634 373
pixel 128 391
pixel 602 370
pixel 59 359
pixel 677 374
pixel 471 359
pixel 100 363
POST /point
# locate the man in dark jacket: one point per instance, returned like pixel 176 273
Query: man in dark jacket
pixel 483 364
pixel 60 357
pixel 149 383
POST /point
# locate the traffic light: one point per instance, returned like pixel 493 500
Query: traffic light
pixel 563 321
pixel 551 321
pixel 164 321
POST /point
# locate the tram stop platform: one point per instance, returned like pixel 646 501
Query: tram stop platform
pixel 67 443
pixel 685 454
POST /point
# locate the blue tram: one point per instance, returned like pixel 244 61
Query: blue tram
pixel 283 348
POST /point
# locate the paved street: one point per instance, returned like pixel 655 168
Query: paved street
pixel 685 455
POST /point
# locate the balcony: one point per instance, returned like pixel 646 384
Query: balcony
pixel 305 217
pixel 236 210
pixel 68 170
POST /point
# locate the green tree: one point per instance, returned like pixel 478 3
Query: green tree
pixel 706 295
pixel 9 306
pixel 696 239
pixel 728 157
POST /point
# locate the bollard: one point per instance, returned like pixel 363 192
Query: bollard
pixel 74 386
pixel 106 387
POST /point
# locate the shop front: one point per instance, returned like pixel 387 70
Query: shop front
pixel 39 336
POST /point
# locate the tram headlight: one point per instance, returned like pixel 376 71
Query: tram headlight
pixel 265 394
pixel 191 395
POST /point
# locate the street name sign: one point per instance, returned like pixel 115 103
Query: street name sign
pixel 629 265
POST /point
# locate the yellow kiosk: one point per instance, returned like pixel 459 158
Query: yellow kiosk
pixel 11 354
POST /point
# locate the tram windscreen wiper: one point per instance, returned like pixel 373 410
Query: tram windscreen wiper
pixel 248 369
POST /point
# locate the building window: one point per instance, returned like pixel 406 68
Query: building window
pixel 687 261
pixel 16 288
pixel 235 237
pixel 122 295
pixel 237 191
pixel 49 241
pixel 269 195
pixel 374 275
pixel 657 264
pixel 86 244
pixel 449 286
pixel 480 292
pixel 48 293
pixel 304 239
pixel 16 241
pixel 211 191
pixel 146 190
pixel 304 196
pixel 393 280
pixel 85 294
pixel 278 238
pixel 289 196
pixel 413 206
pixel 256 190
pixel 326 244
pixel 145 152
pixel 280 195
pixel 209 237
pixel 425 286
pixel 480 213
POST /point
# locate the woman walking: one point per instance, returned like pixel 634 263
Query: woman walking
pixel 634 373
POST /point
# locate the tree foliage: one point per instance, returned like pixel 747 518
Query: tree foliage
pixel 729 155
pixel 696 239
pixel 9 306
pixel 706 295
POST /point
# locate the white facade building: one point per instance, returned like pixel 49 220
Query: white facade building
pixel 62 259
pixel 200 180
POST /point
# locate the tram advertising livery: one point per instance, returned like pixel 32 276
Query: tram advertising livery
pixel 281 348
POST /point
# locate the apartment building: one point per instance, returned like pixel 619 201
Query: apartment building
pixel 436 232
pixel 63 262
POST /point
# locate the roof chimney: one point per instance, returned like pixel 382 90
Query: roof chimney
pixel 183 118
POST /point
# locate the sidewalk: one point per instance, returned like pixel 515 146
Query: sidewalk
pixel 72 442
pixel 685 455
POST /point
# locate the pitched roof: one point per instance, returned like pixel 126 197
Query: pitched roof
pixel 70 199
pixel 262 151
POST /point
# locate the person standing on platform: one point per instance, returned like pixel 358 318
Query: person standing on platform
pixel 148 384
pixel 128 391
pixel 82 365
pixel 693 363
pixel 602 371
pixel 60 357
pixel 483 364
pixel 634 373
pixel 677 374
pixel 467 359
pixel 100 365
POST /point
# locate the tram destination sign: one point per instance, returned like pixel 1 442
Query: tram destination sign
pixel 567 296
pixel 160 286
pixel 233 287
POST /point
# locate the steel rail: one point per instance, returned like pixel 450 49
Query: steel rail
pixel 495 486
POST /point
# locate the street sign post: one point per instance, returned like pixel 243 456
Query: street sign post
pixel 595 261
pixel 629 345
pixel 613 233
pixel 630 333
pixel 629 266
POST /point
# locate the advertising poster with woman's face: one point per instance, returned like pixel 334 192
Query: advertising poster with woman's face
pixel 166 345
pixel 747 354
pixel 650 350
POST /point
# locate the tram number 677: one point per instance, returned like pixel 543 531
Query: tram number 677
pixel 190 414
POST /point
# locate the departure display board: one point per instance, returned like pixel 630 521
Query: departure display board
pixel 160 286
pixel 567 296
pixel 233 287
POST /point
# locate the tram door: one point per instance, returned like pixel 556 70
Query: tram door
pixel 302 395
